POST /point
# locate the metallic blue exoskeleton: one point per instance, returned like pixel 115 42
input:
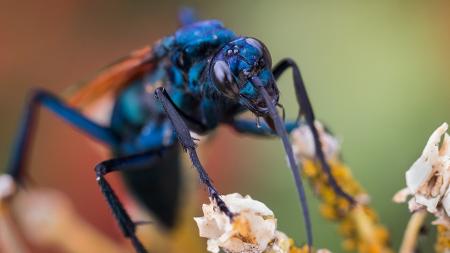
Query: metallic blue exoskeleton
pixel 200 77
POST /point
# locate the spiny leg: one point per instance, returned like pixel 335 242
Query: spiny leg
pixel 188 144
pixel 307 111
pixel 127 226
pixel 45 99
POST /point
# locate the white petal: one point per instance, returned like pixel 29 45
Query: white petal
pixel 281 244
pixel 413 205
pixel 303 142
pixel 422 169
pixel 401 195
pixel 446 202
pixel 252 229
pixel 429 203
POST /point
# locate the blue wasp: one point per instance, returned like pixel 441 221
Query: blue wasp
pixel 201 76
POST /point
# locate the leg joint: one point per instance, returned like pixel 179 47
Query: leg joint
pixel 101 169
pixel 37 94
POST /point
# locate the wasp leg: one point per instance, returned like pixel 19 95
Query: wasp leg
pixel 251 127
pixel 307 111
pixel 188 144
pixel 127 226
pixel 46 99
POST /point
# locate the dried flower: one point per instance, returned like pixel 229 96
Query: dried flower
pixel 359 225
pixel 428 183
pixel 428 178
pixel 303 142
pixel 253 229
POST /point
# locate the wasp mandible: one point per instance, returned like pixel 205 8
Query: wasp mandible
pixel 196 79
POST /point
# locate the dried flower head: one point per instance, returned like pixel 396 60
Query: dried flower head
pixel 359 224
pixel 428 183
pixel 428 178
pixel 253 229
pixel 303 142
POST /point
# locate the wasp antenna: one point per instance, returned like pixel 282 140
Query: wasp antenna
pixel 281 132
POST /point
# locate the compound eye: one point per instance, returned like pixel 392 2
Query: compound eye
pixel 266 58
pixel 223 78
pixel 265 55
pixel 261 62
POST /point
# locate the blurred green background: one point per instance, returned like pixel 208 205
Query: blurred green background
pixel 377 73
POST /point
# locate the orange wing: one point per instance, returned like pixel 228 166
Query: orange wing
pixel 112 79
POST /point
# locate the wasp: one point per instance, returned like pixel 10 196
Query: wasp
pixel 202 76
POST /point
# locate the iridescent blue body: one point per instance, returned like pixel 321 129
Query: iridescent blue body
pixel 200 77
pixel 183 69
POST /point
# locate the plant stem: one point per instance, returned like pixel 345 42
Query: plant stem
pixel 412 231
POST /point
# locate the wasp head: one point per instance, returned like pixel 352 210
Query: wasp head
pixel 233 68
